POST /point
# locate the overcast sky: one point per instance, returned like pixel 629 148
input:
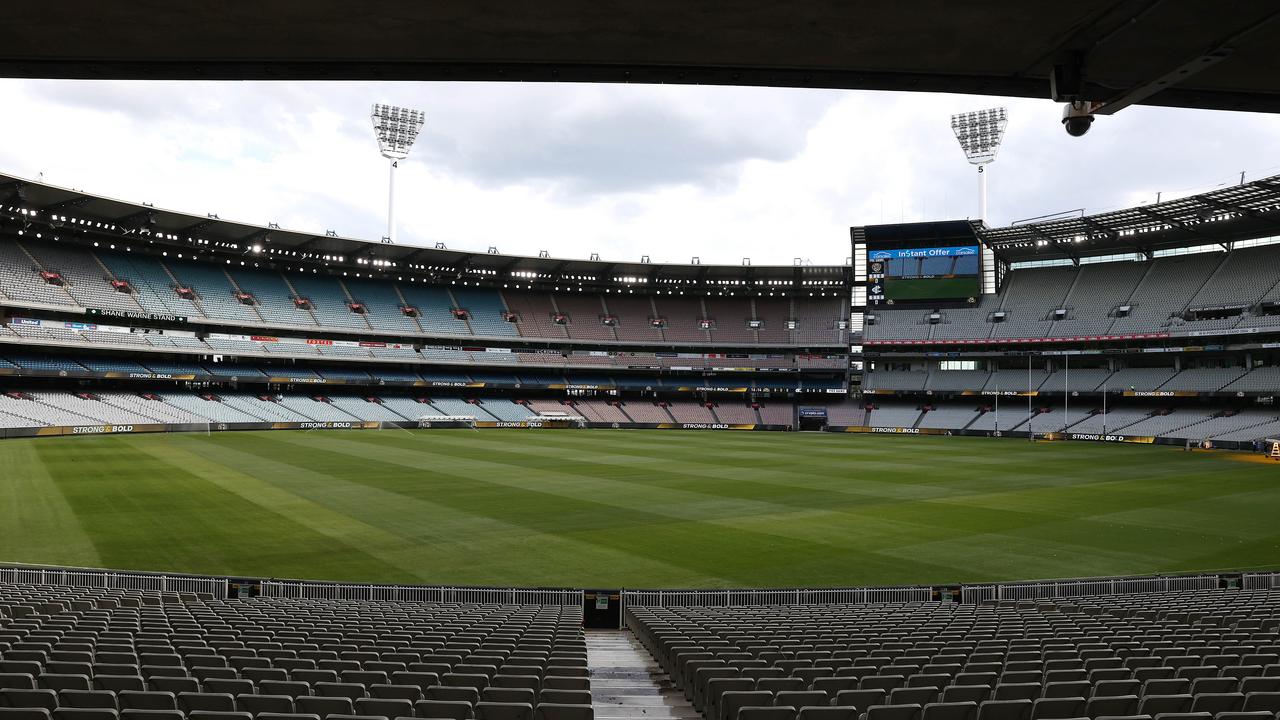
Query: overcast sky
pixel 622 170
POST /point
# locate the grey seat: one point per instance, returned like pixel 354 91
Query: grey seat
pixel 1201 686
pixel 775 712
pixel 555 711
pixel 443 709
pixel 830 712
pixel 565 697
pixel 1215 703
pixel 1155 705
pixel 882 682
pixel 1058 708
pixel 473 680
pixel 1018 691
pixel 530 682
pixel 893 712
pixel 1112 705
pixel 17 681
pixel 172 684
pixel 206 702
pixel 1005 710
pixel 351 691
pixel 230 687
pixel 87 699
pixel 323 706
pixel 510 695
pixel 293 716
pixel 119 683
pixel 861 699
pixel 503 711
pixel 1256 701
pixel 966 693
pixel 730 702
pixel 1116 688
pixel 412 693
pixel 707 698
pixel 146 700
pixel 1080 689
pixel 383 707
pixel 41 698
pixel 65 713
pixel 151 715
pixel 1241 715
pixel 565 683
pixel 801 698
pixel 11 713
pixel 913 696
pixel 776 685
pixel 288 688
pixel 1166 686
pixel 833 685
pixel 55 681
pixel 212 715
pixel 468 695
pixel 950 711
pixel 258 704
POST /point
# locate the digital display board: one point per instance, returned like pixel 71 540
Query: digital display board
pixel 923 262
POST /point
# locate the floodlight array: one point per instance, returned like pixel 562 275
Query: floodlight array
pixel 980 133
pixel 397 129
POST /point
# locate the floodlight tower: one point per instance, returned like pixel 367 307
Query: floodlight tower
pixel 397 129
pixel 980 133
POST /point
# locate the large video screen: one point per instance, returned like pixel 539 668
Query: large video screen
pixel 925 273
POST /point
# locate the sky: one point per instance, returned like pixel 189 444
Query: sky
pixel 721 173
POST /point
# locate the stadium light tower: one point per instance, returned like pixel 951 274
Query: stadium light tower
pixel 397 129
pixel 980 133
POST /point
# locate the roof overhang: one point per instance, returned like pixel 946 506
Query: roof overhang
pixel 1165 52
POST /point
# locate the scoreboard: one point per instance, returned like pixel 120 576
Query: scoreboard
pixel 922 263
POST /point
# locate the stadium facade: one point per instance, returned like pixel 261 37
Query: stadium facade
pixel 1156 324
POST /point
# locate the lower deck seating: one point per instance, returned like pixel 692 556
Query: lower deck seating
pixel 93 654
pixel 1212 652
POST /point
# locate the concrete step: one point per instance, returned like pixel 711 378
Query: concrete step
pixel 626 683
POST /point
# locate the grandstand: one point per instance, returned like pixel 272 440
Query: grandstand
pixel 295 337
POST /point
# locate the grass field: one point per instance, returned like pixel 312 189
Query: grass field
pixel 632 508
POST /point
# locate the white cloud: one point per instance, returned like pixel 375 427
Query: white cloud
pixel 667 171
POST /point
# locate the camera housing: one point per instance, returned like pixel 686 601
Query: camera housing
pixel 1077 118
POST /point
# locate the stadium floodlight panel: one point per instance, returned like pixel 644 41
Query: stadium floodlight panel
pixel 397 129
pixel 980 133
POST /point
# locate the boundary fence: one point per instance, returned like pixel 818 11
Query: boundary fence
pixel 224 587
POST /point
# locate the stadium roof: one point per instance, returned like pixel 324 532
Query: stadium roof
pixel 70 213
pixel 1187 53
pixel 1229 214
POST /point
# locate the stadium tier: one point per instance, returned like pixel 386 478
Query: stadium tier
pixel 45 276
pixel 1187 655
pixel 35 409
pixel 93 654
pixel 1180 295
pixel 1079 419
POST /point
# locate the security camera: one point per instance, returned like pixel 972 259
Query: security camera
pixel 1077 117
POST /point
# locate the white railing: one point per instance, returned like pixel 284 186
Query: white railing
pixel 218 587
pixel 1103 586
pixel 1261 581
pixel 795 596
pixel 418 593
pixel 110 579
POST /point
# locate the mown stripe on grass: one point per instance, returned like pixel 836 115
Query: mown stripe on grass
pixel 37 524
pixel 537 496
pixel 455 529
pixel 146 512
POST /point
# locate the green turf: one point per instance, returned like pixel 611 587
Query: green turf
pixel 631 508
